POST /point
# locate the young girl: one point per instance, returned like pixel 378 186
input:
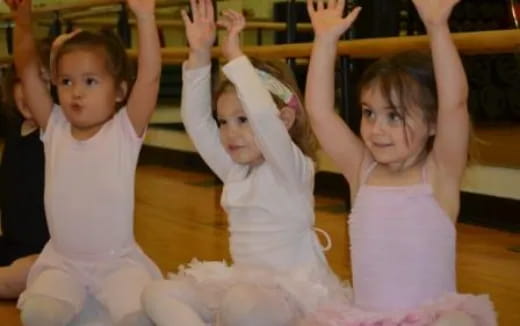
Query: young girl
pixel 404 174
pixel 91 142
pixel 263 157
pixel 24 229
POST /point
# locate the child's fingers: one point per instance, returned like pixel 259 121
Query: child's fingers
pixel 223 22
pixel 321 5
pixel 202 8
pixel 210 10
pixel 227 16
pixel 331 4
pixel 340 5
pixel 351 17
pixel 194 10
pixel 235 17
pixel 310 7
pixel 185 17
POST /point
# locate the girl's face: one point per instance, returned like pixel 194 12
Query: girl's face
pixel 236 134
pixel 392 140
pixel 86 89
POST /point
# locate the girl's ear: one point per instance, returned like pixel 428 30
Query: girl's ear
pixel 432 130
pixel 121 94
pixel 288 116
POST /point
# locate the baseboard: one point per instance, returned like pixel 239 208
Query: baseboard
pixel 484 210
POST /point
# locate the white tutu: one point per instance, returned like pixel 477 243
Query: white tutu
pixel 306 288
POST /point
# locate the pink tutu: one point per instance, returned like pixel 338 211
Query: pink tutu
pixel 307 289
pixel 478 307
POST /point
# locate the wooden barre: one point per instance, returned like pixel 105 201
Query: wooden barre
pixel 488 42
pixel 171 23
pixel 79 5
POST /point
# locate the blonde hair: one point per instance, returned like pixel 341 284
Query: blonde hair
pixel 300 131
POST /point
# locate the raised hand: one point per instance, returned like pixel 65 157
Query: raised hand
pixel 434 12
pixel 234 22
pixel 142 8
pixel 21 9
pixel 56 44
pixel 328 21
pixel 200 30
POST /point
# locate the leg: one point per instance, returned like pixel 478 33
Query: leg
pixel 176 302
pixel 13 278
pixel 53 299
pixel 120 292
pixel 255 306
pixel 454 318
pixel 39 310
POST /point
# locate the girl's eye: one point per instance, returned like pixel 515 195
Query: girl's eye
pixel 242 119
pixel 367 113
pixel 221 122
pixel 395 117
pixel 65 82
pixel 91 81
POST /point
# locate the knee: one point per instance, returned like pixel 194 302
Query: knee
pixel 160 294
pixel 455 318
pixel 252 305
pixel 11 285
pixel 155 294
pixel 135 319
pixel 14 277
pixel 46 311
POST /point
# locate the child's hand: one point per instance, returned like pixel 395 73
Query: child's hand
pixel 200 31
pixel 142 8
pixel 56 44
pixel 329 23
pixel 20 8
pixel 234 23
pixel 434 12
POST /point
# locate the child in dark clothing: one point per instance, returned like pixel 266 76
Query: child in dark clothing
pixel 22 217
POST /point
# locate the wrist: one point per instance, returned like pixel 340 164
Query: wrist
pixel 328 41
pixel 200 56
pixel 23 21
pixel 200 52
pixel 233 55
pixel 145 17
pixel 437 28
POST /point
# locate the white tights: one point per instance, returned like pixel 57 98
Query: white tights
pixel 40 310
pixel 255 306
pixel 179 303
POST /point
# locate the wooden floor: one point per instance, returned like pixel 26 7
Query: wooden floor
pixel 178 217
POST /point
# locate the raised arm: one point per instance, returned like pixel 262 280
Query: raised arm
pixel 452 133
pixel 335 137
pixel 196 106
pixel 264 117
pixel 27 63
pixel 143 98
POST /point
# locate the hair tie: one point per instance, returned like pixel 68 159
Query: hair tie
pixel 278 89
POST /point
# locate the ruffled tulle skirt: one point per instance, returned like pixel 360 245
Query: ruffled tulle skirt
pixel 478 307
pixel 307 288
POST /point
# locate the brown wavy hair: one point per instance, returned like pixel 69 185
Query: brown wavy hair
pixel 116 59
pixel 300 132
pixel 407 80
